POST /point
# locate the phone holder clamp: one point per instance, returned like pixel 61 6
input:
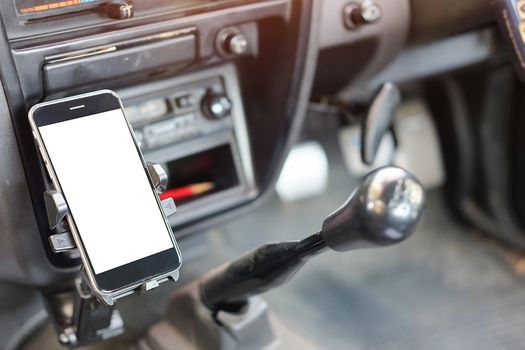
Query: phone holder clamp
pixel 92 319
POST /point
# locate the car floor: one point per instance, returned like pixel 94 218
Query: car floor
pixel 447 287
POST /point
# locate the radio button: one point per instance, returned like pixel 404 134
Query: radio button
pixel 185 101
pixel 146 111
pixel 170 131
pixel 216 106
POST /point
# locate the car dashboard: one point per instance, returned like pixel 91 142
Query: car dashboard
pixel 216 91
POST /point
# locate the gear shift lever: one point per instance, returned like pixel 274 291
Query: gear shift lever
pixel 382 211
pixel 219 312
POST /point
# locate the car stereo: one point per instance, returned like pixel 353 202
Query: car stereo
pixel 194 126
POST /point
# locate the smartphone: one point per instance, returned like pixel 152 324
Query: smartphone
pixel 115 214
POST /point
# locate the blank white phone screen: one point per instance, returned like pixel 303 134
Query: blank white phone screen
pixel 106 188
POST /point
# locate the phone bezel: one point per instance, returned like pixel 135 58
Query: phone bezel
pixel 126 276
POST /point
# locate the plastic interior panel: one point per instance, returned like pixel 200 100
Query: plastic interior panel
pixel 22 256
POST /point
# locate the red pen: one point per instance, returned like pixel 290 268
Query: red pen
pixel 187 191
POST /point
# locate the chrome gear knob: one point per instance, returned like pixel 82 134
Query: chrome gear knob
pixel 384 210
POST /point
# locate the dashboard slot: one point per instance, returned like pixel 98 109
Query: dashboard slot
pixel 171 50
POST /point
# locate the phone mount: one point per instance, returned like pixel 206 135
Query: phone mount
pixel 92 319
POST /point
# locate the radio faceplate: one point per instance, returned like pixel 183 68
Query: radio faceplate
pixel 195 126
pixel 171 116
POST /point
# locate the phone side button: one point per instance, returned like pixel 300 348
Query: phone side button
pixel 42 154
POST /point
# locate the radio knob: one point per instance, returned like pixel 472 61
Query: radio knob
pixel 236 44
pixel 357 14
pixel 216 105
pixel 231 41
pixel 119 9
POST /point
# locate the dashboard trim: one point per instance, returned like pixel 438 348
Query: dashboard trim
pixel 29 57
pixel 97 22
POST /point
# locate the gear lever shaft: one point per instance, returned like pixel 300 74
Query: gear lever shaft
pixel 382 211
